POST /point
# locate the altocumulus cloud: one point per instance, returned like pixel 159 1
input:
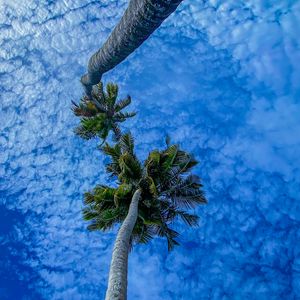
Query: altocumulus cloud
pixel 222 78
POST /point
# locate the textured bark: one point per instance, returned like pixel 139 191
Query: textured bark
pixel 117 282
pixel 140 19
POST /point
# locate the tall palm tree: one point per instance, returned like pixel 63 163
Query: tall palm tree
pixel 148 199
pixel 101 113
pixel 140 20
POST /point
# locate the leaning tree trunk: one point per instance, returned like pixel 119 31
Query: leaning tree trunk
pixel 117 282
pixel 140 19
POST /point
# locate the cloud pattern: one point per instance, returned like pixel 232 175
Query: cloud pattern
pixel 222 79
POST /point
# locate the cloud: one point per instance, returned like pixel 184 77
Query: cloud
pixel 222 80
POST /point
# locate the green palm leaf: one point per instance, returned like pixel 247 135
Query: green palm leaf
pixel 130 168
pixel 169 156
pixel 122 117
pixel 122 104
pixel 112 93
pixel 121 193
pixel 127 143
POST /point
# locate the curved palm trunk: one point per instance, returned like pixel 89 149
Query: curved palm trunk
pixel 140 19
pixel 117 282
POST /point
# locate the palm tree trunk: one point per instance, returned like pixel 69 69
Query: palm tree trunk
pixel 117 282
pixel 140 19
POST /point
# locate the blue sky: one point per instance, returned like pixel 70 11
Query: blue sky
pixel 222 79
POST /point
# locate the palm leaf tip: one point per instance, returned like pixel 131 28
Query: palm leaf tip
pixel 189 219
pixel 112 93
pixel 88 198
pixel 122 117
pixel 127 143
pixel 117 132
pixel 89 214
pixel 171 235
pixel 93 226
pixel 76 109
pixel 122 104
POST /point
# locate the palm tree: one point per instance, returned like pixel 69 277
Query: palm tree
pixel 148 199
pixel 101 113
pixel 140 20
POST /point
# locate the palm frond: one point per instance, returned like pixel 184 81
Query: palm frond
pixel 101 106
pixel 99 93
pixel 113 151
pixel 152 162
pixel 171 212
pixel 189 219
pixel 121 117
pixel 92 127
pixel 88 198
pixel 169 156
pixel 89 214
pixel 113 169
pixel 164 231
pixel 149 187
pixel 117 132
pixel 84 109
pixel 130 168
pixel 121 193
pixel 187 192
pixel 122 104
pixel 112 93
pixel 127 143
pixel 84 134
pixel 103 218
pixel 142 233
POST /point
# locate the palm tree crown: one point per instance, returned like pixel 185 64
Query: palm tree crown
pixel 168 191
pixel 101 113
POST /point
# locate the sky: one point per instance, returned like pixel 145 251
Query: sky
pixel 222 79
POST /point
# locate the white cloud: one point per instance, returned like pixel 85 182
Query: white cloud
pixel 222 80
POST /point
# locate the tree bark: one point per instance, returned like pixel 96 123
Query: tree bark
pixel 117 282
pixel 140 19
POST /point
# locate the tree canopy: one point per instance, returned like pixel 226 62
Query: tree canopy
pixel 101 113
pixel 168 191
